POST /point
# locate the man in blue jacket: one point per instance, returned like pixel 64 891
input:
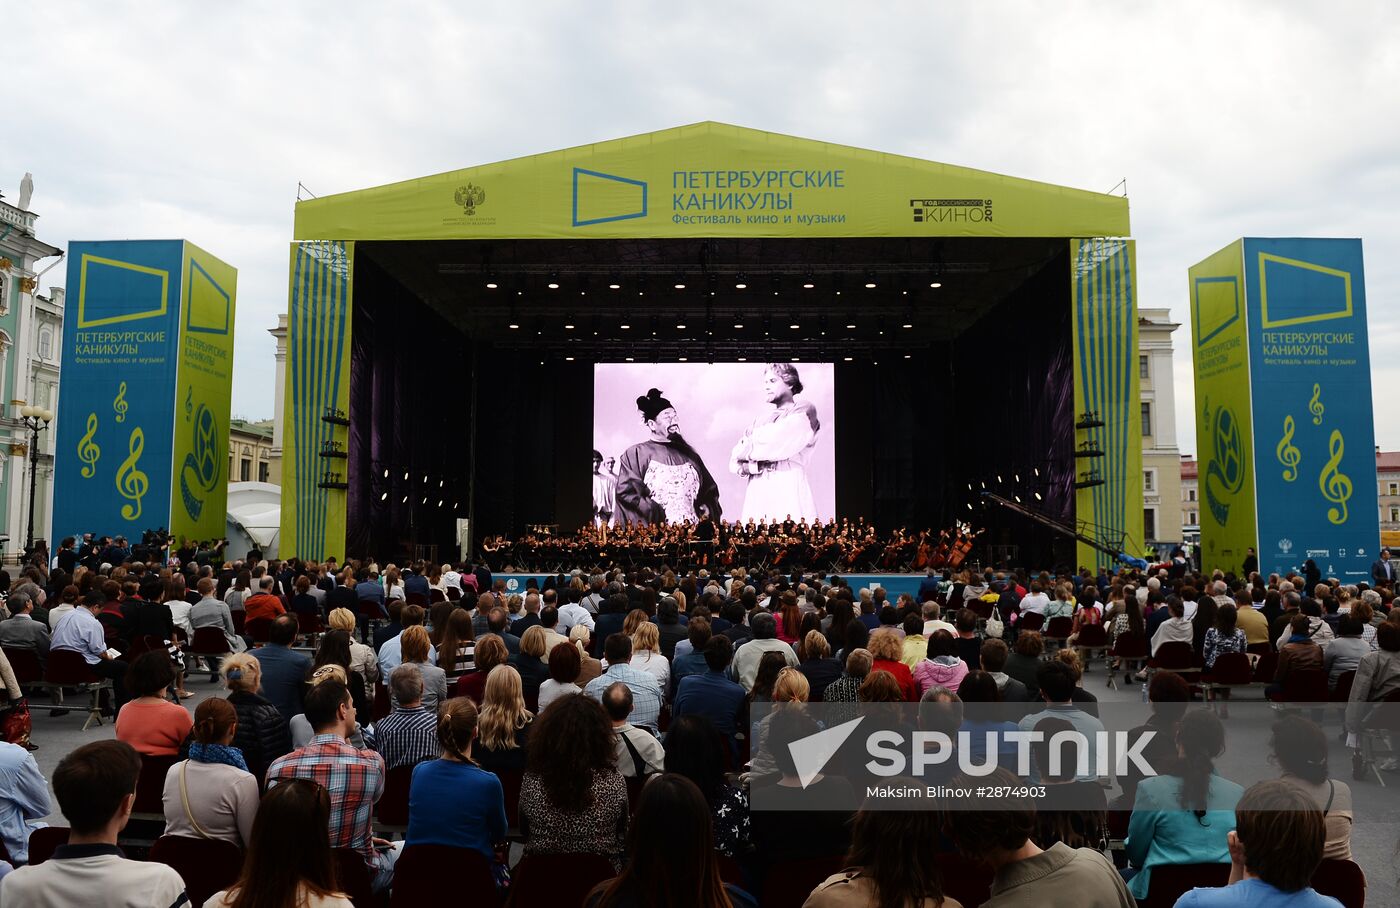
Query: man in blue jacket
pixel 283 669
pixel 711 694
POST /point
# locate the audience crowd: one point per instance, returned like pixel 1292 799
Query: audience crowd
pixel 608 714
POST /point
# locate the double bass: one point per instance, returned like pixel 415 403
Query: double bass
pixel 961 547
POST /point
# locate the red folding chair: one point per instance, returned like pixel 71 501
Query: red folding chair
pixel 1176 656
pixel 1342 880
pixel 68 668
pixel 1170 881
pixel 260 629
pixel 1231 670
pixel 1342 692
pixel 29 671
pixel 392 810
pixel 1030 621
pixel 1130 649
pixel 1092 641
pixel 240 618
pixel 442 875
pixel 309 626
pixel 211 644
pixel 43 842
pixel 1057 631
pixel 1306 686
pixel 150 786
pixel 558 880
pixel 206 865
pixel 970 882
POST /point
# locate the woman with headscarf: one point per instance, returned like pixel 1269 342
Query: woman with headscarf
pixel 663 479
pixel 774 451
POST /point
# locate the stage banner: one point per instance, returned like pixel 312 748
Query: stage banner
pixel 1284 409
pixel 1224 425
pixel 315 437
pixel 149 334
pixel 1310 372
pixel 706 180
pixel 1108 420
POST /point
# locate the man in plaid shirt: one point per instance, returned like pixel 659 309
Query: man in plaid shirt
pixel 408 735
pixel 354 778
pixel 646 691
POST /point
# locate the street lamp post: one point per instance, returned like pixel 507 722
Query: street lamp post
pixel 36 420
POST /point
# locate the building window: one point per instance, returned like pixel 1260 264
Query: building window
pixel 1190 494
pixel 1393 488
pixel 1395 515
pixel 1144 367
pixel 245 468
pixel 46 344
pixel 1191 518
pixel 262 471
pixel 1149 480
pixel 1146 418
pixel 1149 523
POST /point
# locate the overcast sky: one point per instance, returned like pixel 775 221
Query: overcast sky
pixel 197 120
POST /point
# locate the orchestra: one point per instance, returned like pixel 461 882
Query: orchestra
pixel 845 545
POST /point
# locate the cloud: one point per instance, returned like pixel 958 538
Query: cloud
pixel 198 121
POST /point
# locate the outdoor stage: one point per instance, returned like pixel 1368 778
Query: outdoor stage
pixel 444 334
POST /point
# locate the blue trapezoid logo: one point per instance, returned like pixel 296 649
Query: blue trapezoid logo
pixel 603 197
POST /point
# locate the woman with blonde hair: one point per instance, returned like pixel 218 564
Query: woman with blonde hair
pixel 362 657
pixel 646 654
pixel 415 647
pixel 503 725
pixel 789 690
pixel 888 651
pixel 261 734
pixel 534 671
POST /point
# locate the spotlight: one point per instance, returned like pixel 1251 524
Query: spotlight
pixel 629 359
pixel 848 358
pixel 738 323
pixel 425 499
pixel 405 476
pixel 743 359
pixel 553 280
pixel 998 479
pixel 808 283
pixel 739 282
pixel 491 285
pixel 425 478
pixel 796 360
pixel 680 323
pixel 384 497
pixel 386 472
pixel 569 324
pixel 870 280
pixel 908 356
pixel 681 359
pixel 850 326
pixel 624 326
pixel 1016 477
pixel 1017 497
pixel 1037 496
pixel 1037 470
pixel 969 505
pixel 614 285
pixel 440 482
pixel 935 285
pixel 984 486
pixel 680 283
pixel 969 487
pixel 514 326
pixel 439 502
pixel 794 325
pixel 405 500
pixel 568 359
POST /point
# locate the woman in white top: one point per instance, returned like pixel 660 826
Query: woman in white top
pixel 773 452
pixel 289 858
pixel 212 795
pixel 393 586
pixel 646 653
pixel 565 664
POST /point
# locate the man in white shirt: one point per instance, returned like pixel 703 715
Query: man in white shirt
pixel 96 788
pixel 81 632
pixel 765 640
pixel 638 751
pixel 1176 629
pixel 573 614
pixel 933 620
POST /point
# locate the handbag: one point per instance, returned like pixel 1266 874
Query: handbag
pixel 995 626
pixel 16 725
pixel 185 800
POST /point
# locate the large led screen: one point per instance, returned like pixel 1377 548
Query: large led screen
pixel 675 441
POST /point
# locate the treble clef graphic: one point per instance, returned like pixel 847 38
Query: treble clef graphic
pixel 1315 405
pixel 1288 453
pixel 1335 485
pixel 88 451
pixel 120 405
pixel 131 482
pixel 189 403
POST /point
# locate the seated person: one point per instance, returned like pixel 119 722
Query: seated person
pixel 1275 847
pixel 151 723
pixel 453 801
pixel 212 795
pixel 96 787
pixel 1024 874
pixel 638 752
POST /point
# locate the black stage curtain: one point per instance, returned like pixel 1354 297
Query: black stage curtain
pixel 409 416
